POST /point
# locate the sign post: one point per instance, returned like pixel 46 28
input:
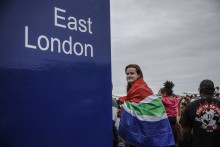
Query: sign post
pixel 55 73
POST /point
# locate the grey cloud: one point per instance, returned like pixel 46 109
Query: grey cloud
pixel 170 40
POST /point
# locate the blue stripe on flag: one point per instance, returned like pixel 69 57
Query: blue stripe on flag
pixel 145 134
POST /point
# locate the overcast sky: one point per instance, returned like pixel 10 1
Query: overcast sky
pixel 170 40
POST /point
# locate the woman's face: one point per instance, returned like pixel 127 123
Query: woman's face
pixel 132 75
pixel 164 94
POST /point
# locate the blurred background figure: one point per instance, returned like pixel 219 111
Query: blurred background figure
pixel 217 92
pixel 171 104
pixel 201 119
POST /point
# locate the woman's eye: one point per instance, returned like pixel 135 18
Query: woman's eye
pixel 130 73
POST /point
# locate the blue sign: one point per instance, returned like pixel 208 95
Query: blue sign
pixel 55 73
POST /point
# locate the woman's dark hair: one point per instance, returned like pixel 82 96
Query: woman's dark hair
pixel 168 88
pixel 138 70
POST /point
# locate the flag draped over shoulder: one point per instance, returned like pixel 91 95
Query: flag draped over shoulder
pixel 145 123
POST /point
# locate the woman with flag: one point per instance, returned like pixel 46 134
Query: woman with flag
pixel 143 122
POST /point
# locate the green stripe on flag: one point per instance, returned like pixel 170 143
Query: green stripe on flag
pixel 154 108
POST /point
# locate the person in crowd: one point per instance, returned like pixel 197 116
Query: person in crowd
pixel 201 119
pixel 137 91
pixel 171 104
pixel 185 101
pixel 114 119
pixel 182 107
pixel 216 89
pixel 134 77
pixel 217 96
pixel 217 92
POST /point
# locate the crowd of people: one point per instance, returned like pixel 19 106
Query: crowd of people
pixel 194 120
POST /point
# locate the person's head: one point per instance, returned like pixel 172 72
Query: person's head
pixel 206 88
pixel 217 88
pixel 133 73
pixel 159 92
pixel 167 90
